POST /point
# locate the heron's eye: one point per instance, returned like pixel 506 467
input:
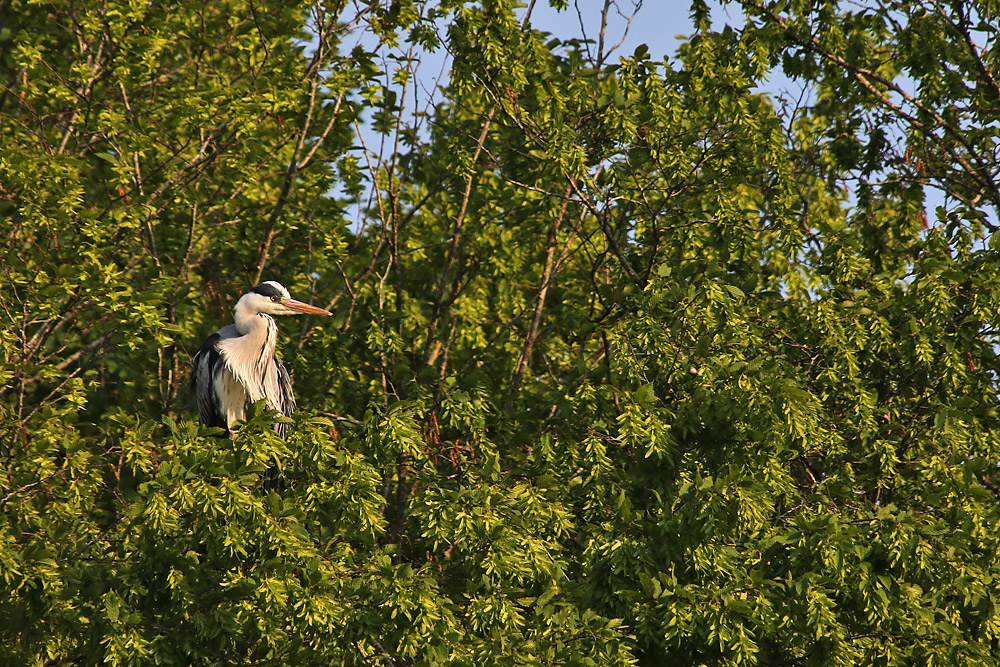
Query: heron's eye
pixel 275 298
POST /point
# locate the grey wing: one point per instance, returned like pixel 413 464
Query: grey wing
pixel 286 398
pixel 203 369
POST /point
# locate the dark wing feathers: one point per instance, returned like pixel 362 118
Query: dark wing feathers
pixel 203 368
pixel 287 397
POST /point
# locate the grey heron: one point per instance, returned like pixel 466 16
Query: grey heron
pixel 237 365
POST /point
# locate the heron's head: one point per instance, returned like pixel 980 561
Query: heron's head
pixel 273 299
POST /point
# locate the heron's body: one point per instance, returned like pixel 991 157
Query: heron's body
pixel 238 365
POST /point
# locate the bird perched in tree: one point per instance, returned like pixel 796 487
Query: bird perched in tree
pixel 237 365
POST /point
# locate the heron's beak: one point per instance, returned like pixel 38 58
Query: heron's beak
pixel 299 307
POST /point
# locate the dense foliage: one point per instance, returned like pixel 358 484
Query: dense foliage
pixel 631 363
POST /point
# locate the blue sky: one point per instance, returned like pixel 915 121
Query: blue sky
pixel 661 25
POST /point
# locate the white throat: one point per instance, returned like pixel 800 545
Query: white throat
pixel 249 356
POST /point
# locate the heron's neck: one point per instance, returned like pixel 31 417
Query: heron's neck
pixel 253 324
pixel 250 355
